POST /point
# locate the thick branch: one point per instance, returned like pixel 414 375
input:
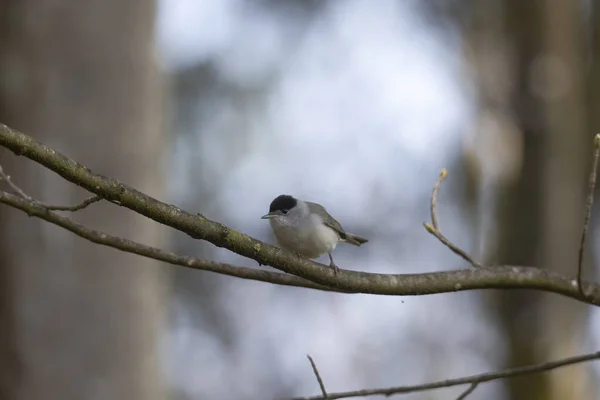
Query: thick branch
pixel 34 209
pixel 453 279
pixel 220 235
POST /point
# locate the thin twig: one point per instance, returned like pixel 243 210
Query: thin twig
pixel 474 379
pixel 76 207
pixel 434 197
pixel 15 188
pixel 318 376
pixel 6 178
pixel 588 211
pixel 467 392
pixel 434 227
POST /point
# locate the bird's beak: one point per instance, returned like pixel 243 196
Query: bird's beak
pixel 267 216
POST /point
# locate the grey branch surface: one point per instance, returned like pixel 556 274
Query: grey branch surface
pixel 34 209
pixel 200 227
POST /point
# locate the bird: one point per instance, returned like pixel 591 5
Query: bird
pixel 307 229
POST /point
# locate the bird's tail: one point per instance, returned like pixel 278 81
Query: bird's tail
pixel 354 239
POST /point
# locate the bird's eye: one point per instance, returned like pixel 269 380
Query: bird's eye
pixel 284 212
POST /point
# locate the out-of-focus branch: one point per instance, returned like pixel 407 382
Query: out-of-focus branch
pixel 469 390
pixel 199 227
pixel 434 227
pixel 472 380
pixel 588 212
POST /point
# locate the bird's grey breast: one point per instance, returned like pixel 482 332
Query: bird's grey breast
pixel 304 232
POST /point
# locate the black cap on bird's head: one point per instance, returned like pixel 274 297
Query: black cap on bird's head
pixel 280 205
pixel 283 202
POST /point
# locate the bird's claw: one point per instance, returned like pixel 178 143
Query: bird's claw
pixel 336 269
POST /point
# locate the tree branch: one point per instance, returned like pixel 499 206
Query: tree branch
pixel 588 212
pixel 199 227
pixel 473 380
pixel 34 209
pixel 318 376
pixel 434 227
pixel 453 279
pixel 469 390
pixel 76 207
pixel 307 273
pixel 90 200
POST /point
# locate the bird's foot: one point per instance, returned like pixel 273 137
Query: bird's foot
pixel 336 269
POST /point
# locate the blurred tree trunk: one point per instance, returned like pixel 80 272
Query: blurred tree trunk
pixel 80 321
pixel 519 219
pixel 507 111
pixel 567 148
pixel 538 214
pixel 593 73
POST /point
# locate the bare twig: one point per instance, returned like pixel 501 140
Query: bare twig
pixel 434 197
pixel 76 207
pixel 434 227
pixel 6 178
pixel 467 392
pixel 15 188
pixel 588 211
pixel 474 379
pixel 318 376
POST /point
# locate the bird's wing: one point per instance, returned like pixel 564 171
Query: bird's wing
pixel 327 219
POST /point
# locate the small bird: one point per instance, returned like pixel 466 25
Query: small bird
pixel 307 228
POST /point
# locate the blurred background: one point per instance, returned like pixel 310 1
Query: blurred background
pixel 218 106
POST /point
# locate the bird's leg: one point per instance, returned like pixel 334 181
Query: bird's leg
pixel 332 264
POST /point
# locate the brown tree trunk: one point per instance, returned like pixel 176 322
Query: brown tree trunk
pixel 518 213
pixel 539 87
pixel 82 321
pixel 566 154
